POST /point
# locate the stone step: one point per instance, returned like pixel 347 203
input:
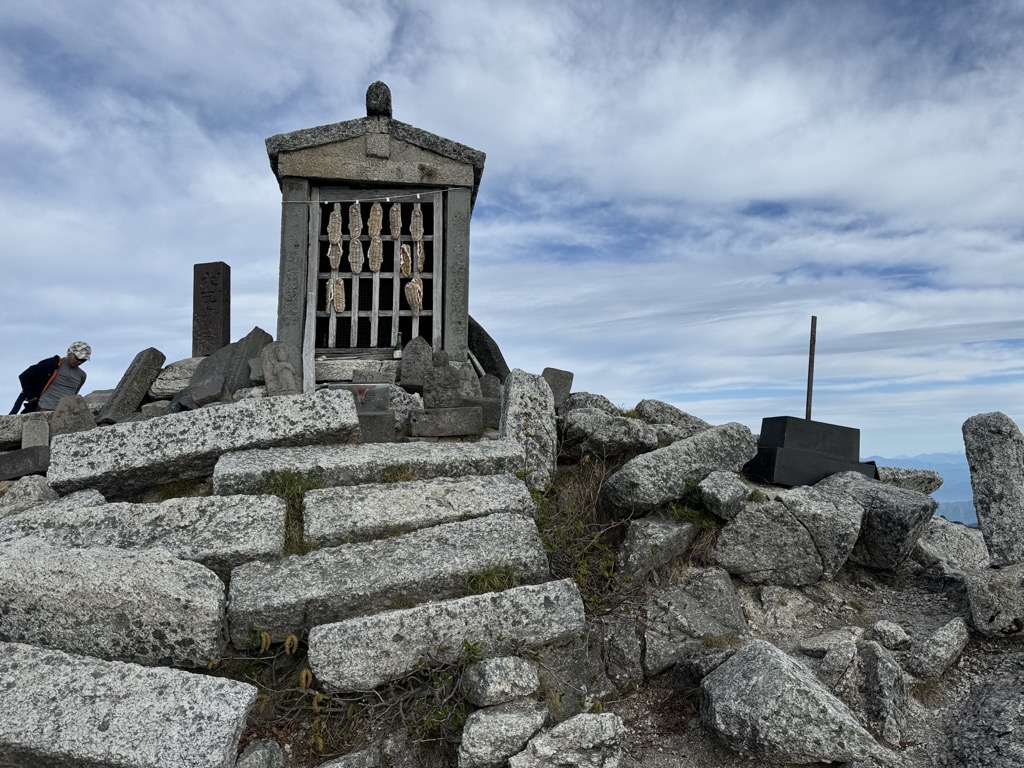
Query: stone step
pixel 346 514
pixel 126 457
pixel 57 709
pixel 332 465
pixel 293 595
pixel 221 532
pixel 144 607
pixel 364 652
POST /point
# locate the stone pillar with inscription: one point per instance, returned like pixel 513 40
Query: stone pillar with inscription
pixel 211 308
pixel 456 277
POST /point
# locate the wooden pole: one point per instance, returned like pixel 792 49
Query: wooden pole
pixel 810 365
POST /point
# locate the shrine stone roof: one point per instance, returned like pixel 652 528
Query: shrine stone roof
pixel 375 149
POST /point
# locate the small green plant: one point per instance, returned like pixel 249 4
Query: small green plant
pixel 580 543
pixel 397 474
pixel 427 703
pixel 292 487
pixel 758 496
pixel 685 513
pixel 494 579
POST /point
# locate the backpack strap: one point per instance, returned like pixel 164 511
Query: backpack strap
pixel 53 376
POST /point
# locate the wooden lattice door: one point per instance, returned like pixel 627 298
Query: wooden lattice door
pixel 375 267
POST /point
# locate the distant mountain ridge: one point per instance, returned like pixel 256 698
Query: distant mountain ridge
pixel 955 497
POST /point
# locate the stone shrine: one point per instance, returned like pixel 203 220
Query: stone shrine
pixel 374 237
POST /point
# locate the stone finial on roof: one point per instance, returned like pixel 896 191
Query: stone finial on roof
pixel 378 100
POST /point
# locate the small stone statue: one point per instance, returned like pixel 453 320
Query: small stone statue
pixel 282 369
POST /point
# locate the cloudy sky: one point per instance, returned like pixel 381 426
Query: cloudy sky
pixel 672 189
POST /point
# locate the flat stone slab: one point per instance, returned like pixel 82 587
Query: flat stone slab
pixel 126 457
pixel 335 516
pixel 221 532
pixel 11 427
pixel 328 585
pixel 332 465
pixel 26 461
pixel 57 709
pixel 143 607
pixel 365 652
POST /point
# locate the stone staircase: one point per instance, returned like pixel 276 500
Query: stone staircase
pixel 386 584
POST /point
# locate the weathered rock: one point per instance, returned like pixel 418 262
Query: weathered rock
pixel 766 544
pixel 221 532
pixel 763 703
pixel 331 465
pixel 572 675
pixel 938 652
pixel 705 605
pixel 337 583
pixel 133 386
pixel 261 753
pixel 883 693
pixel 345 514
pixel 920 480
pixel 498 680
pixel 26 493
pixel 623 650
pixel 838 670
pixel 890 634
pixel 362 653
pixel 590 430
pixel 36 430
pixel 528 416
pixel 798 538
pixel 27 461
pixel 989 731
pixel 492 735
pixel 657 412
pixel 893 518
pixel 153 410
pixel 486 351
pixel 953 544
pixel 589 400
pixel 650 543
pixel 60 709
pixel 776 608
pixel 818 646
pixel 144 607
pixel 11 427
pixel 223 373
pixel 996 598
pixel 687 673
pixel 653 479
pixel 125 457
pixel 72 414
pixel 723 494
pixel 174 378
pixel 561 384
pixel 447 422
pixel 402 405
pixel 995 455
pixel 585 741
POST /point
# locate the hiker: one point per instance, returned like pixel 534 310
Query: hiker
pixel 46 382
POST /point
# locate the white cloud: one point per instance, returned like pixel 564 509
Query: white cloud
pixel 671 190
